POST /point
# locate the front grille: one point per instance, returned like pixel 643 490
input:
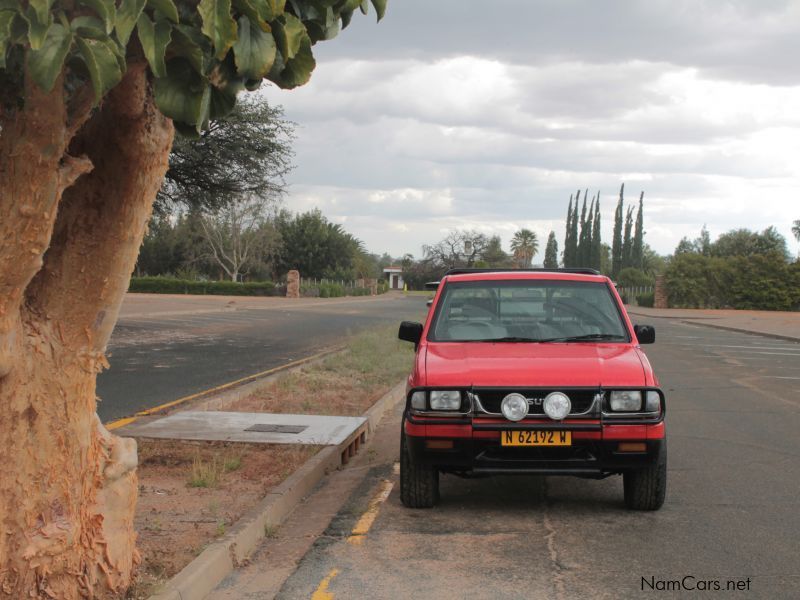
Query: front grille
pixel 490 399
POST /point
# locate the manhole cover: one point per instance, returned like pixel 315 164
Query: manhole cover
pixel 272 428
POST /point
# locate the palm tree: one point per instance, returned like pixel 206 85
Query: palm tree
pixel 796 229
pixel 524 245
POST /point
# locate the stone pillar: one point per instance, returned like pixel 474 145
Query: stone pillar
pixel 372 284
pixel 660 294
pixel 293 284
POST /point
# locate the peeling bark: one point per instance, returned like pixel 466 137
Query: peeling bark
pixel 68 491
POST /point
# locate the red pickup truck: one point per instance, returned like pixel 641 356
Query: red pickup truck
pixel 533 372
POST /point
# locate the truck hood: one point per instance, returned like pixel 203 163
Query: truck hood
pixel 533 365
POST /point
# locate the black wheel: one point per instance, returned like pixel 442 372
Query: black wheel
pixel 645 489
pixel 419 484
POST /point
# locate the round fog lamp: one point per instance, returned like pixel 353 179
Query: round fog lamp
pixel 557 406
pixel 514 407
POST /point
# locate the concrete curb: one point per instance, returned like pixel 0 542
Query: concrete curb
pixel 197 579
pixel 774 336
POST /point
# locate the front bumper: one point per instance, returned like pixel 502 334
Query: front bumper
pixel 476 448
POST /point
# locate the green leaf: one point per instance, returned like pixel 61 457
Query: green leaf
pixel 127 16
pixel 154 37
pixel 295 72
pixel 347 16
pixel 380 7
pixel 105 9
pixel 222 102
pixel 256 10
pixel 183 95
pixel 166 8
pixel 189 43
pixel 254 51
pixel 218 25
pixel 289 33
pixel 6 19
pixel 37 30
pixel 102 61
pixel 41 9
pixel 45 64
pixel 277 7
pixel 88 27
pixel 364 7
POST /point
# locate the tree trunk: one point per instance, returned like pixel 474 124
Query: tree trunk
pixel 68 494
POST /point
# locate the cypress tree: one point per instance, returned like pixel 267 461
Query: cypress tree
pixel 568 235
pixel 637 252
pixel 579 258
pixel 551 252
pixel 616 242
pixel 596 240
pixel 572 249
pixel 627 242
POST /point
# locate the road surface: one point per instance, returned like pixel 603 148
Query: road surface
pixel 731 517
pixel 167 347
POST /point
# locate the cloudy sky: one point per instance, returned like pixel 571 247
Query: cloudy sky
pixel 488 115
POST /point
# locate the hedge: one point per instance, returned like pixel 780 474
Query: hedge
pixel 758 282
pixel 169 285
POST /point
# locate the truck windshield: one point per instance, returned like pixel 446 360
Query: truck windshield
pixel 527 311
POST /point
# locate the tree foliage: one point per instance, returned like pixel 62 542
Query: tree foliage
pixel 524 245
pixel 245 153
pixel 551 252
pixel 460 248
pixel 616 243
pixel 201 54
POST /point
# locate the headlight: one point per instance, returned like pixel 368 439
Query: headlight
pixel 418 401
pixel 652 402
pixel 514 407
pixel 445 400
pixel 557 406
pixel 626 401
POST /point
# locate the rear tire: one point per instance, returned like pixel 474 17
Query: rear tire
pixel 645 489
pixel 419 484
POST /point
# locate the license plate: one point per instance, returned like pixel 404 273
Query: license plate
pixel 536 438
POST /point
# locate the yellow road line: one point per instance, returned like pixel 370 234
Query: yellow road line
pixel 363 525
pixel 322 593
pixel 143 413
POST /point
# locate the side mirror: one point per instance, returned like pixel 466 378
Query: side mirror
pixel 646 334
pixel 410 332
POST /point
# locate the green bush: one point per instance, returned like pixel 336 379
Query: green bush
pixel 646 300
pixel 757 282
pixel 330 290
pixel 170 285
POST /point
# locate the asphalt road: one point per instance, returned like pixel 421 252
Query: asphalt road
pixel 732 511
pixel 164 348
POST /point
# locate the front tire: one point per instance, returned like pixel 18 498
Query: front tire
pixel 645 489
pixel 419 484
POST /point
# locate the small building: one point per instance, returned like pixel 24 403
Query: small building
pixel 394 275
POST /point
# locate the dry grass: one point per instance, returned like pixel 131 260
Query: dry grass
pixel 347 383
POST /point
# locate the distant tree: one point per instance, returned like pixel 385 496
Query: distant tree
pixel 652 263
pixel 461 248
pixel 703 243
pixel 582 246
pixel 246 152
pixel 605 259
pixel 524 245
pixel 597 242
pixel 316 247
pixel 796 230
pixel 574 232
pixel 233 234
pixel 685 246
pixel 493 255
pixel 743 242
pixel 616 242
pixel 627 241
pixel 569 253
pixel 551 252
pixel 638 236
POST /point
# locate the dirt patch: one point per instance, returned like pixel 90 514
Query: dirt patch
pixel 190 493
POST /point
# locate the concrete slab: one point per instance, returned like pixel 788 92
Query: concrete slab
pixel 256 428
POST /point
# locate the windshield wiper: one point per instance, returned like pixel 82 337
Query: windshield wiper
pixel 585 338
pixel 510 338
